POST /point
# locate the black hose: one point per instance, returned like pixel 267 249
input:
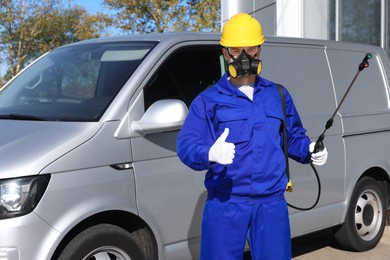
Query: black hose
pixel 318 194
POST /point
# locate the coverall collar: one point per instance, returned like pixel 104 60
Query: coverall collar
pixel 227 88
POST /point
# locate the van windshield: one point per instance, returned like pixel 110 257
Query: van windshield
pixel 72 83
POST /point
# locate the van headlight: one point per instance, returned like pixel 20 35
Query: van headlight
pixel 20 196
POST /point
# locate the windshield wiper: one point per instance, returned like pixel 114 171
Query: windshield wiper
pixel 21 117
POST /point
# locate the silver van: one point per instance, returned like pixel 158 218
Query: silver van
pixel 87 145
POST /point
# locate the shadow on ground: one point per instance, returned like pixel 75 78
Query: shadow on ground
pixel 309 243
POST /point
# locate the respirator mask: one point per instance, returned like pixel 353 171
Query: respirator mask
pixel 244 65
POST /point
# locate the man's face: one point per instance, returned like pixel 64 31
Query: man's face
pixel 228 52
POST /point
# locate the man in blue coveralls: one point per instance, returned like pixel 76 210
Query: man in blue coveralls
pixel 233 130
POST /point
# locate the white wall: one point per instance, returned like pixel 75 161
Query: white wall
pixel 302 18
pixel 262 10
pixel 293 18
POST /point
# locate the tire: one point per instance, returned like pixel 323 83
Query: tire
pixel 365 221
pixel 103 241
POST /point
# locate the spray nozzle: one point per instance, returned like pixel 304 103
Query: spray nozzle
pixel 365 63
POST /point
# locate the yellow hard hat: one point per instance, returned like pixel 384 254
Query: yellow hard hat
pixel 242 30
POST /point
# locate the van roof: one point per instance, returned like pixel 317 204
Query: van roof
pixel 175 37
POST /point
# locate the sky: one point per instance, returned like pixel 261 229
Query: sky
pixel 92 6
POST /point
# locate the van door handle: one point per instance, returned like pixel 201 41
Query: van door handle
pixel 122 166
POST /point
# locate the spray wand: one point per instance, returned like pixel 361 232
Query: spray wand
pixel 319 146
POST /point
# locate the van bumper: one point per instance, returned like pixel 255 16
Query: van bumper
pixel 26 238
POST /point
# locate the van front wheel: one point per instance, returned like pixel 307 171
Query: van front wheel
pixel 103 241
pixel 365 220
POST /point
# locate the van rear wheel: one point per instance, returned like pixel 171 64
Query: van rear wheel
pixel 365 220
pixel 103 241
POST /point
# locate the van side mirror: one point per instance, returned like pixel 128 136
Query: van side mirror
pixel 163 115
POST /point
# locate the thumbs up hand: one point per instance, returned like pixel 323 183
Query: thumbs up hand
pixel 222 152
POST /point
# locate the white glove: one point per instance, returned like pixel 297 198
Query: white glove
pixel 320 157
pixel 222 152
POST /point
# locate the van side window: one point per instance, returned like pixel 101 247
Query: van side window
pixel 185 74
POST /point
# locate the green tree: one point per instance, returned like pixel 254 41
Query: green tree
pixel 29 28
pixel 157 16
pixel 206 15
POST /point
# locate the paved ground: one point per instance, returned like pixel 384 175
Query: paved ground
pixel 322 246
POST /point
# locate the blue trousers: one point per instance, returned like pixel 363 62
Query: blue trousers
pixel 227 226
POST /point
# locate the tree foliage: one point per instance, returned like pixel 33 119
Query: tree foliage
pixel 157 16
pixel 29 28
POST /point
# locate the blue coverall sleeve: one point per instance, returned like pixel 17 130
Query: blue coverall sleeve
pixel 298 141
pixel 196 137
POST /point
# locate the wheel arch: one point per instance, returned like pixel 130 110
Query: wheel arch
pixel 382 177
pixel 125 220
